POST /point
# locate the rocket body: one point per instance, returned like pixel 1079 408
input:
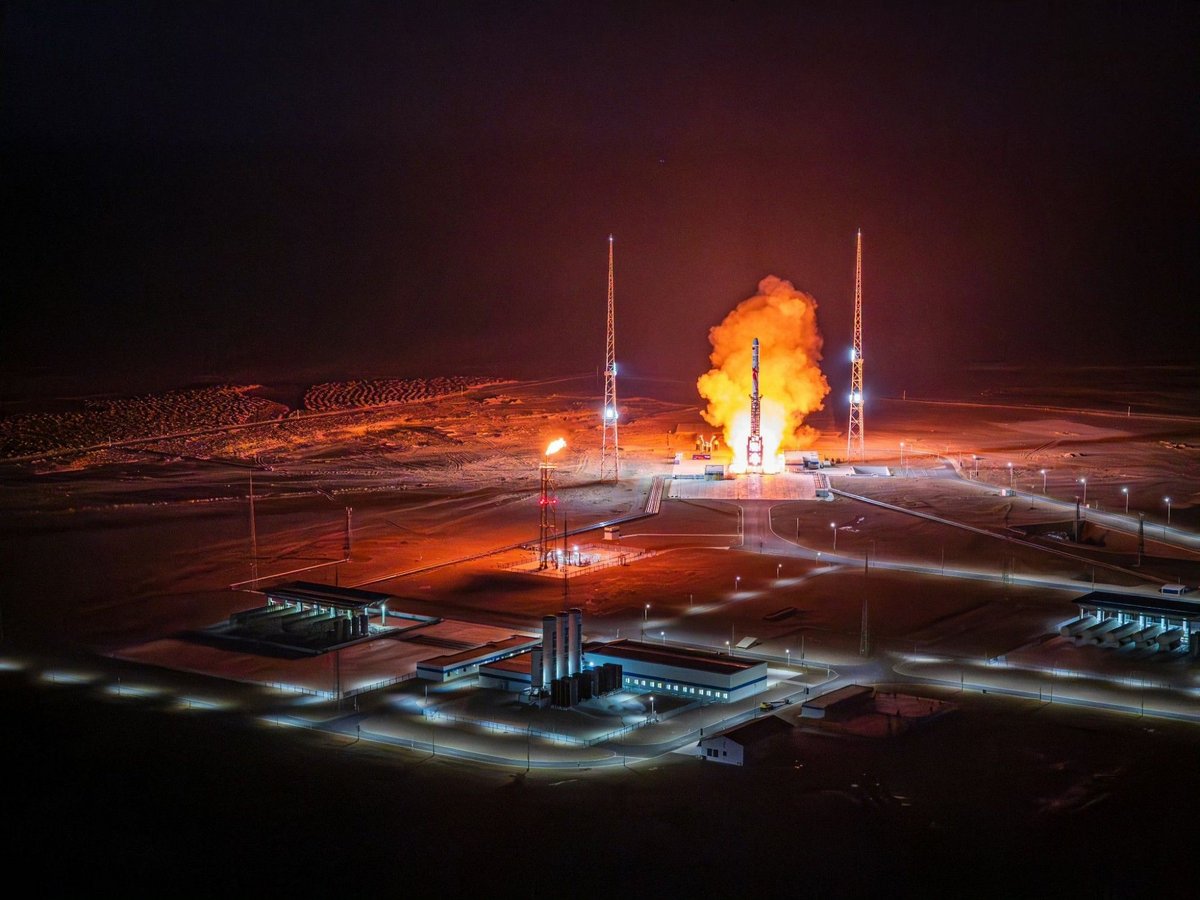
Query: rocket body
pixel 754 443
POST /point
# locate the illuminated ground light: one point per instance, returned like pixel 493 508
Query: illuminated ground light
pixel 201 703
pixel 132 690
pixel 61 676
pixel 287 721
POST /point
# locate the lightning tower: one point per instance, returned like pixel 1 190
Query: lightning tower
pixel 754 443
pixel 855 431
pixel 610 464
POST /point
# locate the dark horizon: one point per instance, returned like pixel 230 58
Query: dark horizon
pixel 218 191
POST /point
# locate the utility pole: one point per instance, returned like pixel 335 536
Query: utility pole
pixel 855 432
pixel 864 640
pixel 610 452
pixel 253 538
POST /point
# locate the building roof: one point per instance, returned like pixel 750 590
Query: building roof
pixel 469 657
pixel 849 693
pixel 755 730
pixel 700 660
pixel 1159 605
pixel 326 595
pixel 521 664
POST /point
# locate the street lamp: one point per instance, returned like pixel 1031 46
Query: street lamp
pixel 833 528
pixel 1125 491
pixel 728 652
pixel 902 454
pixel 1043 481
pixel 1083 481
pixel 663 635
pixel 789 657
pixel 1010 476
pixel 1167 500
pixel 645 618
pixel 778 568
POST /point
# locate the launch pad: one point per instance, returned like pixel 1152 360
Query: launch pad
pixel 784 486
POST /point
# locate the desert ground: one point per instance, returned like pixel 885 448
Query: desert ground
pixel 126 534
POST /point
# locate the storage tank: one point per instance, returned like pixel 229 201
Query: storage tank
pixel 536 679
pixel 575 645
pixel 1170 639
pixel 562 640
pixel 549 630
pixel 1073 627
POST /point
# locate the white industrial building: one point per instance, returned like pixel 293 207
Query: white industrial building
pixel 467 662
pixel 739 745
pixel 695 674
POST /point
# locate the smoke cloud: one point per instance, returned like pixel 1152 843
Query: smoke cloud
pixel 790 380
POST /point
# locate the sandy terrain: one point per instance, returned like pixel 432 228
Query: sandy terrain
pixel 132 549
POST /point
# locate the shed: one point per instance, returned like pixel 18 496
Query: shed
pixel 743 743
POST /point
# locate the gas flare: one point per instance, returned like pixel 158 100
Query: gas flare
pixel 555 445
pixel 785 322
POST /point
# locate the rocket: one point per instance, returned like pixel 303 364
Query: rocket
pixel 754 443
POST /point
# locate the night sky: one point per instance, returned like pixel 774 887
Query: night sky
pixel 290 190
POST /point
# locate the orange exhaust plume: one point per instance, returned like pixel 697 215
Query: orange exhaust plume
pixel 555 445
pixel 792 386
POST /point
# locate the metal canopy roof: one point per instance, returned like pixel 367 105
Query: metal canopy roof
pixel 1161 605
pixel 326 595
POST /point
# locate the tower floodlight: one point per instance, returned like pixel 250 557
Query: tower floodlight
pixel 855 434
pixel 610 463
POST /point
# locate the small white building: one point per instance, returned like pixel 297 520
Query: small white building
pixel 741 744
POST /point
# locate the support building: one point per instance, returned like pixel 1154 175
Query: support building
pixel 695 674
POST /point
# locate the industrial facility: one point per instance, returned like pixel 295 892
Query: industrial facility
pixel 310 618
pixel 470 662
pixel 694 674
pixel 1162 624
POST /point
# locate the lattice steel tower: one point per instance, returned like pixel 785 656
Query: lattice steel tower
pixel 855 430
pixel 610 452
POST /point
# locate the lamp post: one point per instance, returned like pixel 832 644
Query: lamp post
pixel 728 651
pixel 1043 481
pixel 1167 500
pixel 645 618
pixel 1010 476
pixel 663 635
pixel 789 658
pixel 1083 481
pixel 778 569
pixel 833 528
pixel 902 454
pixel 737 583
pixel 1125 491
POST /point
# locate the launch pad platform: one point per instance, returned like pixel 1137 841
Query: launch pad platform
pixel 784 486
